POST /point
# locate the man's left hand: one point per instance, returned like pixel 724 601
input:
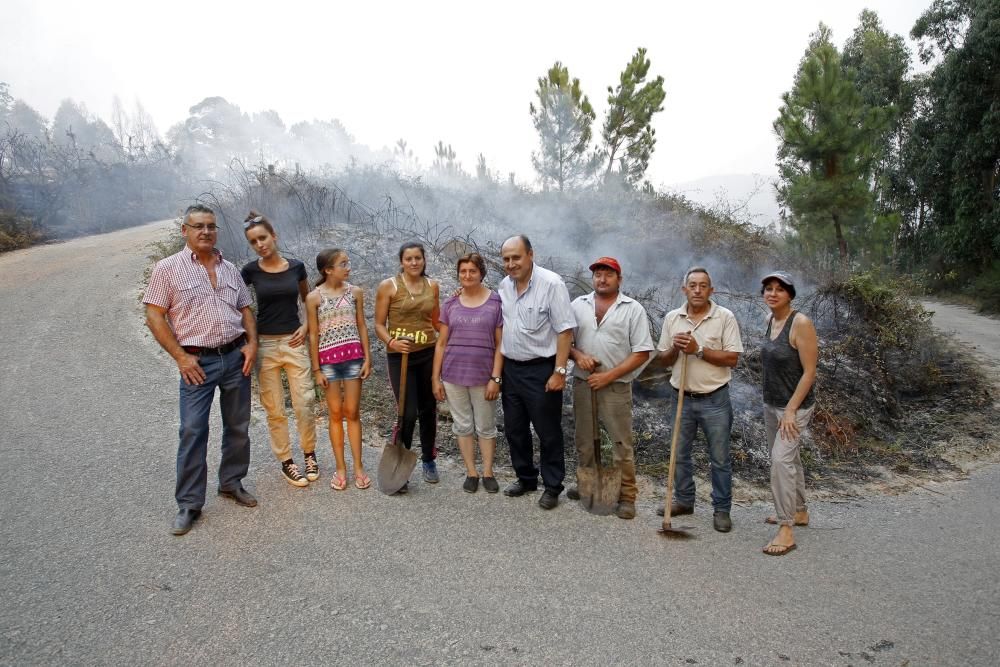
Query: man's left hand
pixel 556 382
pixel 249 357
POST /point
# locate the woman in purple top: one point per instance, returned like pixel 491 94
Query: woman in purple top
pixel 468 366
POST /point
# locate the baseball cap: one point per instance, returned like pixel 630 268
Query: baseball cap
pixel 784 278
pixel 609 262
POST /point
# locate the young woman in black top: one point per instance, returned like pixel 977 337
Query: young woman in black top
pixel 280 285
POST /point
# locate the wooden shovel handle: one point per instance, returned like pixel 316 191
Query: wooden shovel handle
pixel 596 428
pixel 673 443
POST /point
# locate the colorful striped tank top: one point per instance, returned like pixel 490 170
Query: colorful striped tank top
pixel 339 339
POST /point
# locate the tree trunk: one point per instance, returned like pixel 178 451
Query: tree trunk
pixel 841 241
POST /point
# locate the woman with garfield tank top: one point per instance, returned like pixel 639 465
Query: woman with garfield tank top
pixel 468 366
pixel 788 357
pixel 341 359
pixel 279 284
pixel 406 320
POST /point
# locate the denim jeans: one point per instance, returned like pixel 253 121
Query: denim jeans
pixel 714 415
pixel 224 371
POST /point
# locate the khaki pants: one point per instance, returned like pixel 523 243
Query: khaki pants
pixel 788 480
pixel 614 410
pixel 274 354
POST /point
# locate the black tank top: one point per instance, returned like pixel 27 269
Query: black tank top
pixel 782 369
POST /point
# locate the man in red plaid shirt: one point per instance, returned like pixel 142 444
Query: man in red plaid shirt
pixel 198 308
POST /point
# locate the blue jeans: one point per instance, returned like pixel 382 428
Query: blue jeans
pixel 224 371
pixel 714 414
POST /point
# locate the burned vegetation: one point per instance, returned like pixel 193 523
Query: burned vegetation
pixel 891 394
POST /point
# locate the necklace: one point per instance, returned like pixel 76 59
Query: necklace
pixel 407 288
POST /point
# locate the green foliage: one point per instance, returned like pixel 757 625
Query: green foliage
pixel 955 152
pixel 828 142
pixel 629 138
pixel 986 288
pixel 562 119
pixel 18 232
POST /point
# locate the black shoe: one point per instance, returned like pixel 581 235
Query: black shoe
pixel 471 484
pixel 240 495
pixel 676 509
pixel 549 499
pixel 490 484
pixel 519 488
pixel 184 520
pixel 291 473
pixel 403 490
pixel 573 493
pixel 721 522
pixel 312 467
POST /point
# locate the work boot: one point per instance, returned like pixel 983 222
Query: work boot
pixel 675 509
pixel 625 509
pixel 721 522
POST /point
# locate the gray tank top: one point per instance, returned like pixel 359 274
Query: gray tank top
pixel 782 369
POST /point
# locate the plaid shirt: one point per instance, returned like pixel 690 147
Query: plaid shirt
pixel 199 314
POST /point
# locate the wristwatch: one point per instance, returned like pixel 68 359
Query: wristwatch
pixel 561 370
pixel 701 351
pixel 497 379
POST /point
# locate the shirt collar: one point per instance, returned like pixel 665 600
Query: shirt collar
pixel 712 308
pixel 621 298
pixel 194 256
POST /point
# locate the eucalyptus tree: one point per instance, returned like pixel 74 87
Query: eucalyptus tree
pixel 955 151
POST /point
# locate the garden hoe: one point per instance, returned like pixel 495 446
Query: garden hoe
pixel 598 486
pixel 668 530
pixel 397 462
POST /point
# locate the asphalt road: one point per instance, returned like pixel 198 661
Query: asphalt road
pixel 89 573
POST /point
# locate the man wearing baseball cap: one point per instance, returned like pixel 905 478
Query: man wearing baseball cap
pixel 612 344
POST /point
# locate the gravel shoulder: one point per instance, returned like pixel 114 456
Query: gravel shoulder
pixel 90 575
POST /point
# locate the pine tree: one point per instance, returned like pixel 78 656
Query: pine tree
pixel 562 119
pixel 827 145
pixel 629 138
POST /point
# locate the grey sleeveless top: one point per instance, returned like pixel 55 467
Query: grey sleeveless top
pixel 782 369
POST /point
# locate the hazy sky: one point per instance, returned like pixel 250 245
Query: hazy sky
pixel 463 72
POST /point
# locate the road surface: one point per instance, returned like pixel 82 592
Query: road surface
pixel 90 574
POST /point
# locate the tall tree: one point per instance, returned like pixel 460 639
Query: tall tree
pixel 880 64
pixel 629 138
pixel 956 151
pixel 562 119
pixel 827 145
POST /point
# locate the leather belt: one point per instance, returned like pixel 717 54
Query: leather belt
pixel 222 349
pixel 698 394
pixel 529 362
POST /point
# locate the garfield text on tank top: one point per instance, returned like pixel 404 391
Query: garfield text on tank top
pixel 410 314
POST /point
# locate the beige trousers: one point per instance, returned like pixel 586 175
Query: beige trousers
pixel 614 410
pixel 788 481
pixel 274 354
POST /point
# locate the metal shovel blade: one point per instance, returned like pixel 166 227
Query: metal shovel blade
pixel 395 467
pixel 599 487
